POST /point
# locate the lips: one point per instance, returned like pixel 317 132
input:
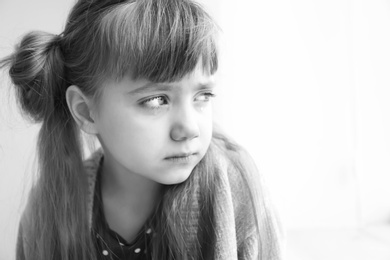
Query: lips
pixel 181 157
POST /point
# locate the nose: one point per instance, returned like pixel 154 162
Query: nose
pixel 184 125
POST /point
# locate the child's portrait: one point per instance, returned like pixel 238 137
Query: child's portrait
pixel 194 130
pixel 129 162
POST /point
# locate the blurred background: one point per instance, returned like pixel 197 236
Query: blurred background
pixel 303 85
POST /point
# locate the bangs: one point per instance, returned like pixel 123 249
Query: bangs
pixel 160 40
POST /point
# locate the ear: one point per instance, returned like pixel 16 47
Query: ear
pixel 80 107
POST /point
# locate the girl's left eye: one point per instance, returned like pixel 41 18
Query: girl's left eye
pixel 155 102
pixel 205 97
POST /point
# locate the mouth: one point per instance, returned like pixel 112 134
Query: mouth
pixel 181 157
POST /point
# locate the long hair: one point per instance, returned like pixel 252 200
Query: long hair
pixel 158 40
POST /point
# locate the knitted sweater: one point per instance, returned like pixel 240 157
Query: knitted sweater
pixel 235 221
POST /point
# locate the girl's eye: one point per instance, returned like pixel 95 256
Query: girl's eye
pixel 205 97
pixel 155 102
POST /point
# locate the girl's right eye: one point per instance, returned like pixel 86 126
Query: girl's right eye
pixel 155 102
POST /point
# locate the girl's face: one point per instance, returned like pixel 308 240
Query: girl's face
pixel 157 130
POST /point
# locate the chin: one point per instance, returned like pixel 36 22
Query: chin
pixel 175 179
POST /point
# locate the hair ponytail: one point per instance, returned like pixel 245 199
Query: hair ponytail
pixel 33 69
pixel 57 209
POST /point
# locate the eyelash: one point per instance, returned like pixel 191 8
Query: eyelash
pixel 207 95
pixel 145 102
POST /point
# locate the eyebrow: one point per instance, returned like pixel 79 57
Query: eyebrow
pixel 152 86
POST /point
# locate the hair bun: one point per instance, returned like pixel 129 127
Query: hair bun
pixel 36 69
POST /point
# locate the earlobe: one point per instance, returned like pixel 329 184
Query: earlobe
pixel 81 109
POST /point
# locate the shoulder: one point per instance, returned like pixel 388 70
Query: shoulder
pixel 256 223
pixel 244 182
pixel 240 167
pixel 26 239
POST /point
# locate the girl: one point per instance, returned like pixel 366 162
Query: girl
pixel 138 75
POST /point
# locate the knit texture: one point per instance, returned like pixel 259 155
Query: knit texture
pixel 235 229
pixel 235 220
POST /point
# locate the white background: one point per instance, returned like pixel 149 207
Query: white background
pixel 303 85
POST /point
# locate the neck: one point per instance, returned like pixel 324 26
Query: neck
pixel 128 198
pixel 131 187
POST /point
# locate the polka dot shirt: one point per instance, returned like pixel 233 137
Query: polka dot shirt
pixel 111 245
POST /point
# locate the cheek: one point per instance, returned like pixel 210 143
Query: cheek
pixel 124 131
pixel 206 127
pixel 130 133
